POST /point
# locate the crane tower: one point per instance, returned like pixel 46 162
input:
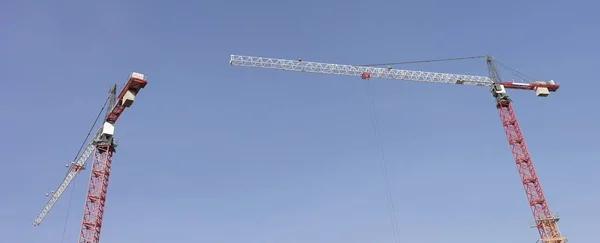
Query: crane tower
pixel 545 221
pixel 102 146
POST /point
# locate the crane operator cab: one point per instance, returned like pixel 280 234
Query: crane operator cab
pixel 499 92
pixel 106 137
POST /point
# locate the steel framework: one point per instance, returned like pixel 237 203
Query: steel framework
pixel 546 222
pixel 93 211
pixel 102 145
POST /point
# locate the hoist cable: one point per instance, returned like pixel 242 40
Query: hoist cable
pixel 92 128
pixel 384 172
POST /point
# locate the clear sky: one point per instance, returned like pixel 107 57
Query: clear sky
pixel 221 154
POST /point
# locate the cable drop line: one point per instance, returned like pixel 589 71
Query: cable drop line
pixel 92 128
pixel 68 213
pixel 384 171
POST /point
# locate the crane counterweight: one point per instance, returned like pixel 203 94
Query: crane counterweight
pixel 136 82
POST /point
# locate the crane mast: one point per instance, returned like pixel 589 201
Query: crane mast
pixel 545 222
pixel 102 146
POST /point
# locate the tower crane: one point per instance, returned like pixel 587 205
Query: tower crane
pixel 102 146
pixel 545 221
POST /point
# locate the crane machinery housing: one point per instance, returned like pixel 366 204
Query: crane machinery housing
pixel 545 221
pixel 102 145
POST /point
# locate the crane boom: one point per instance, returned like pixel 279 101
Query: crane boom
pixel 74 169
pixel 385 73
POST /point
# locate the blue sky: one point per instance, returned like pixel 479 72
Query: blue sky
pixel 214 153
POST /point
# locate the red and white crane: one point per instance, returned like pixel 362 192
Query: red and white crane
pixel 102 146
pixel 546 223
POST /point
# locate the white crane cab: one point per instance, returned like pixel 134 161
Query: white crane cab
pixel 498 90
pixel 108 129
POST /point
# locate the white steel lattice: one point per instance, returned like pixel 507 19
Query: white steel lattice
pixel 75 168
pixel 352 70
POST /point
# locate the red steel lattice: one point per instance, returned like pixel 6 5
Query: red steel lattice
pixel 545 222
pixel 96 195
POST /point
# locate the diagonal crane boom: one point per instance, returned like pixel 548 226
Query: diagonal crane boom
pixel 546 223
pixel 76 166
pixel 74 169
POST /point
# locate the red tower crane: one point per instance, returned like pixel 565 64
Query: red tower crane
pixel 546 223
pixel 102 145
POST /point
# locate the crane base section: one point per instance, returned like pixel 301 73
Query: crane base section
pixel 554 240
